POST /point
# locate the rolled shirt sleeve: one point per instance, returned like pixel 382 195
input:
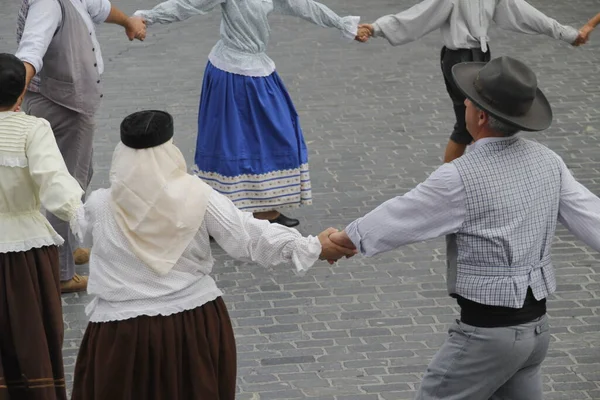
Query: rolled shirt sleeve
pixel 98 10
pixel 43 19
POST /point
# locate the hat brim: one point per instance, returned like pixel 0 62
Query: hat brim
pixel 538 118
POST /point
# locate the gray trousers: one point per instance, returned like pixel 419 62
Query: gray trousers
pixel 488 363
pixel 74 133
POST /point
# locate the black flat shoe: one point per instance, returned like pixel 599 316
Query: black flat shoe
pixel 285 221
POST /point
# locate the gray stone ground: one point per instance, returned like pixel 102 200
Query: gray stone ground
pixel 376 119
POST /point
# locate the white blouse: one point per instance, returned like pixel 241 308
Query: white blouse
pixel 123 287
pixel 245 29
pixel 33 174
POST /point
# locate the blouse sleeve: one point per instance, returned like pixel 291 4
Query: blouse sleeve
pixel 59 192
pixel 318 14
pixel 520 16
pixel 245 238
pixel 177 10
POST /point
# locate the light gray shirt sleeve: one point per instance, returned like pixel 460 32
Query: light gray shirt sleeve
pixel 319 14
pixel 413 23
pixel 579 210
pixel 434 208
pixel 98 10
pixel 43 19
pixel 177 10
pixel 520 16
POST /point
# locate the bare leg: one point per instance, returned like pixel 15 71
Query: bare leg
pixel 269 215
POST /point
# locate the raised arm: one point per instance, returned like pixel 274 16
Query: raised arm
pixel 245 238
pixel 59 192
pixel 579 210
pixel 412 24
pixel 520 16
pixel 318 14
pixel 177 10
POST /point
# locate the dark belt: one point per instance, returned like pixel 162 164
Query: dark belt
pixel 476 314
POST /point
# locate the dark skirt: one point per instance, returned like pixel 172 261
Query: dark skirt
pixel 184 356
pixel 31 326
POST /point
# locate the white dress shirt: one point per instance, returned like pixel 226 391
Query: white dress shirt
pixel 437 207
pixel 42 19
pixel 464 24
pixel 123 287
pixel 245 30
pixel 33 174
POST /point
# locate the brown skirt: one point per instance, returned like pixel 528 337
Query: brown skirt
pixel 31 326
pixel 184 356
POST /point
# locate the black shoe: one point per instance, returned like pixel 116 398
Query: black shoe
pixel 285 221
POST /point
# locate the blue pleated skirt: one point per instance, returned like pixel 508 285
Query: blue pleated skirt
pixel 250 145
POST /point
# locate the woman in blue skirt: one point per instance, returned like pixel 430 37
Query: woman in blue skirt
pixel 250 145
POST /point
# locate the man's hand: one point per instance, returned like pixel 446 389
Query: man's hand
pixel 135 28
pixel 342 239
pixel 331 251
pixel 365 31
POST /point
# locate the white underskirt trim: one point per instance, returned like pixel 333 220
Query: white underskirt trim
pixel 189 304
pixel 265 192
pixel 29 244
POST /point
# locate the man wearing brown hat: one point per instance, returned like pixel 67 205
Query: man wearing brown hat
pixel 498 205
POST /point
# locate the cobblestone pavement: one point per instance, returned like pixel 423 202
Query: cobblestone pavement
pixel 376 120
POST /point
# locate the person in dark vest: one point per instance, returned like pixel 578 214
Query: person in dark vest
pixel 58 44
pixel 499 204
pixel 464 26
pixel 32 174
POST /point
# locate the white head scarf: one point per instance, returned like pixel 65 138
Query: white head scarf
pixel 158 206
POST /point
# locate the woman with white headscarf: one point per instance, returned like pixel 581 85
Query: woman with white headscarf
pixel 159 328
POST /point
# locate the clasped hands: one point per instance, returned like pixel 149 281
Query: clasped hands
pixel 335 245
pixel 365 31
pixel 135 28
pixel 584 35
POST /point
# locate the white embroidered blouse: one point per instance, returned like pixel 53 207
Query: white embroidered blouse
pixel 33 174
pixel 124 287
pixel 245 30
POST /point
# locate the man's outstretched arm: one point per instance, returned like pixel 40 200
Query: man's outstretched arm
pixel 434 208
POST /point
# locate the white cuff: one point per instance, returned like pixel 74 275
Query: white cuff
pixel 78 224
pixel 306 253
pixel 144 14
pixel 569 34
pixel 350 27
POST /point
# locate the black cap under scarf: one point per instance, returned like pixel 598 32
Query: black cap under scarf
pixel 145 129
